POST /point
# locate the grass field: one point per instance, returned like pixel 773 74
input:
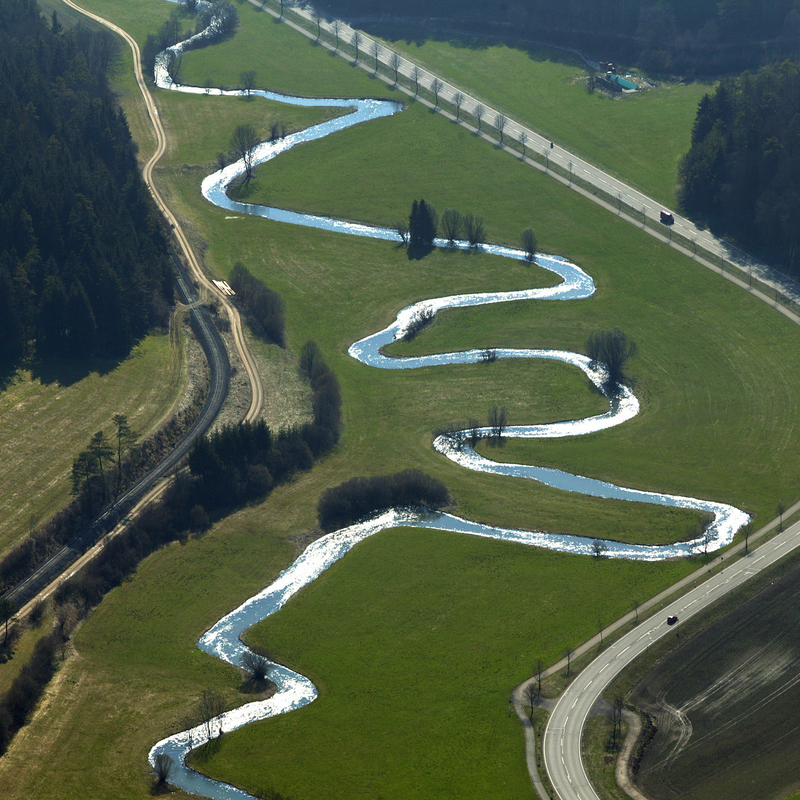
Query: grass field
pixel 416 638
pixel 46 418
pixel 638 138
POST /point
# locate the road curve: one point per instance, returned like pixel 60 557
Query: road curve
pixel 208 288
pixel 219 379
pixel 561 746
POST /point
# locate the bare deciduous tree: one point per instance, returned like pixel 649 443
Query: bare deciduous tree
pixel 600 631
pixel 478 114
pixel 394 63
pixel 531 696
pixel 317 16
pixel 780 509
pixel 336 27
pixel 248 80
pixel 474 230
pixel 568 655
pixel 747 531
pixel 209 707
pixel 458 101
pixel 529 244
pixel 612 348
pixel 538 673
pixel 635 607
pixel 401 226
pixel 451 225
pixel 356 42
pixel 256 665
pixel 163 768
pixel 616 720
pixel 474 428
pixel 244 142
pixel 523 141
pixel 436 87
pixel 416 74
pixel 498 421
pixel 500 123
pixel 376 54
pixel 599 548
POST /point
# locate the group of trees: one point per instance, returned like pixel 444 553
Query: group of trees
pixel 263 306
pixel 102 453
pixel 84 266
pixel 685 36
pixel 357 498
pixel 740 174
pixel 424 223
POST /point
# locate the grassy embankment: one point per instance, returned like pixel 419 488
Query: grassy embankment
pixel 437 651
pixel 48 417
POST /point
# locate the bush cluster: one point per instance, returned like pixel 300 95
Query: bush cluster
pixel 26 689
pixel 355 499
pixel 264 307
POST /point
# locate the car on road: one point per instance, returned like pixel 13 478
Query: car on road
pixel 672 619
pixel 667 218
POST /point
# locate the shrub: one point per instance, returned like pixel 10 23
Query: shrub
pixel 355 499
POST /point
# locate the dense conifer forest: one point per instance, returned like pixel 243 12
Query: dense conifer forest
pixel 674 36
pixel 84 267
pixel 742 172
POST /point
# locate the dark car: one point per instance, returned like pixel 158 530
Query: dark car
pixel 667 218
pixel 672 619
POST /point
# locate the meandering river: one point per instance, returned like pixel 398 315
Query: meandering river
pixel 224 639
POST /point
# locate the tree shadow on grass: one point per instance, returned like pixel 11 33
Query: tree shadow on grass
pixel 65 371
pixel 416 252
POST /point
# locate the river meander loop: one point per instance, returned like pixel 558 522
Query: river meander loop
pixel 224 639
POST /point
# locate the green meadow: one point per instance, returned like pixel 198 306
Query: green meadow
pixel 47 418
pixel 416 638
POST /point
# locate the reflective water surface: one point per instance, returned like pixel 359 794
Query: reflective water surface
pixel 224 639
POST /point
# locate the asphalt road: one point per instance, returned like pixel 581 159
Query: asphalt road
pixel 562 737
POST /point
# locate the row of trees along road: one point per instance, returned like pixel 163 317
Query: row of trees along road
pixel 84 266
pixel 675 36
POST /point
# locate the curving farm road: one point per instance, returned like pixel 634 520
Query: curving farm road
pixel 208 287
pixel 561 746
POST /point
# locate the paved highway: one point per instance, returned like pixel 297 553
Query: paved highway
pixel 562 737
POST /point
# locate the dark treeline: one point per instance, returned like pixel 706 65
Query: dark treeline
pixel 83 259
pixel 357 498
pixel 676 36
pixel 742 173
pixel 264 307
pixel 26 689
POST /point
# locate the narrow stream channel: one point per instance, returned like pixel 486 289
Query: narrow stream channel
pixel 224 639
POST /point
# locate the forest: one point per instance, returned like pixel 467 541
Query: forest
pixel 84 267
pixel 672 36
pixel 742 172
